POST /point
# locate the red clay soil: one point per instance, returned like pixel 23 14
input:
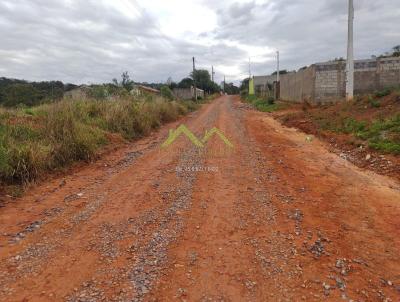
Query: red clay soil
pixel 346 145
pixel 276 218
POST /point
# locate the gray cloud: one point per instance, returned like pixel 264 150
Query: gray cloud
pixel 309 31
pixel 91 41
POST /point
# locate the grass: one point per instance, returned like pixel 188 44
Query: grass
pixel 264 105
pixel 211 97
pixel 37 140
pixel 382 134
pixel 372 120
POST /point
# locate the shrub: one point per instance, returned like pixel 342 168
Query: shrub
pixel 382 93
pixel 385 146
pixel 166 92
pixel 271 100
pixel 353 126
pixel 373 103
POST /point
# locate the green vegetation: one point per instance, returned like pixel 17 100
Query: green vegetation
pixel 166 92
pixel 211 97
pixel 263 105
pixel 383 135
pixel 204 82
pixel 374 103
pixel 52 136
pixel 125 82
pixel 383 93
pixel 231 89
pixel 19 92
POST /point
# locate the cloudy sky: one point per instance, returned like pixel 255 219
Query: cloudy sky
pixel 93 41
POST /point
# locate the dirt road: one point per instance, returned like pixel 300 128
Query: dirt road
pixel 276 218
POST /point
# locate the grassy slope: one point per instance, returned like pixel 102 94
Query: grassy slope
pixel 372 120
pixel 41 139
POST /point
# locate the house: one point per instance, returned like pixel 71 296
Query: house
pixel 139 90
pixel 188 93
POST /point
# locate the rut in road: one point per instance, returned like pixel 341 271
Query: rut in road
pixel 276 218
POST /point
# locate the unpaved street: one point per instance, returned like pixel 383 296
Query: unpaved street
pixel 276 218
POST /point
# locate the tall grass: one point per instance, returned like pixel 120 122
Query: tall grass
pixel 40 139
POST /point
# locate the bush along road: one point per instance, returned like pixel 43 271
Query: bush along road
pixel 234 207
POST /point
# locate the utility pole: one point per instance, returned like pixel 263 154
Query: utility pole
pixel 249 68
pixel 194 79
pixel 212 73
pixel 224 84
pixel 277 67
pixel 278 78
pixel 350 55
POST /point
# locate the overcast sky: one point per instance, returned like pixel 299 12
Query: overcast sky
pixel 92 41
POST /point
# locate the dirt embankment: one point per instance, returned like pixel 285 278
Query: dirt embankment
pixel 365 132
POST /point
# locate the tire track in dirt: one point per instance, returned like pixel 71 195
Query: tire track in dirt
pixel 233 215
pixel 280 219
pixel 262 230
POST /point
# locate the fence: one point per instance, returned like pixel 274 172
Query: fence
pixel 325 82
pixel 187 93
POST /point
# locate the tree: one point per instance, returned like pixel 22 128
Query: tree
pixel 21 93
pixel 396 51
pixel 202 78
pixel 203 81
pixel 186 83
pixel 245 84
pixel 126 82
pixel 173 85
pixel 231 89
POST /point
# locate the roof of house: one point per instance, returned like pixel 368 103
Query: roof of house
pixel 148 89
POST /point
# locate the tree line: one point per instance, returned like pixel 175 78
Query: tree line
pixel 14 92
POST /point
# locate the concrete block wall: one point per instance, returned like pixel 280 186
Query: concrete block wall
pixel 388 71
pixel 298 85
pixel 187 93
pixel 329 79
pixel 325 82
